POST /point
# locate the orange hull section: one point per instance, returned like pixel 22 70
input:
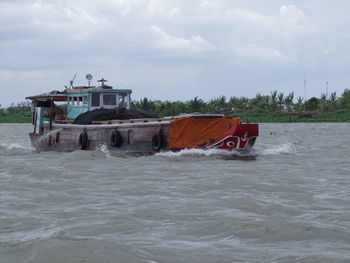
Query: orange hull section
pixel 196 132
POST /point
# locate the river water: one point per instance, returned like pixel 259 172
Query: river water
pixel 290 203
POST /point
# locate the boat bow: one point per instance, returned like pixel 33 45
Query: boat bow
pixel 240 136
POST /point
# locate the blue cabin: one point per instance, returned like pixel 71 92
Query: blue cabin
pixel 83 99
pixel 79 100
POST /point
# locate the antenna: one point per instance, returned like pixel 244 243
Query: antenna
pixel 305 87
pixel 89 78
pixel 72 81
pixel 327 88
pixel 103 81
pixel 304 91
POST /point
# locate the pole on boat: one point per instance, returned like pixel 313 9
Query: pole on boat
pixel 102 81
pixel 89 78
pixel 51 113
pixel 304 92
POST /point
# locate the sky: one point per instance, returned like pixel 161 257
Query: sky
pixel 175 49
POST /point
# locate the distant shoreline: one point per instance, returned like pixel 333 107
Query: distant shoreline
pixel 276 107
pixel 338 116
pixel 15 119
pixel 268 117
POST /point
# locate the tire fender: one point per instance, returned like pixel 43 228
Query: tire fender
pixel 83 141
pixel 157 142
pixel 116 139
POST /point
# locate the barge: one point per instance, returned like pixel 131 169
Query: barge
pixel 57 128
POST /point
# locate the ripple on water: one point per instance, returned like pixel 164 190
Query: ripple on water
pixel 288 204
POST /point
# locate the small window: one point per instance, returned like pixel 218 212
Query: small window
pixel 95 99
pixel 109 100
pixel 122 100
pixel 85 100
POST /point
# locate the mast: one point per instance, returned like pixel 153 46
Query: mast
pixel 304 91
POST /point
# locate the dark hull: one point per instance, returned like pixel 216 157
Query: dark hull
pixel 136 139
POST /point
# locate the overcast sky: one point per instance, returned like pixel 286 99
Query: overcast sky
pixel 175 49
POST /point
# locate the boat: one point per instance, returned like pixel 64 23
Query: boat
pixel 56 125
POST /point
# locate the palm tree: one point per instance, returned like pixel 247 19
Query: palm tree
pixel 256 102
pixel 280 98
pixel 218 105
pixel 234 104
pixel 299 105
pixel 265 102
pixel 273 101
pixel 196 105
pixel 312 104
pixel 333 100
pixel 178 107
pixel 146 104
pixel 288 100
pixel 345 98
pixel 323 101
pixel 260 102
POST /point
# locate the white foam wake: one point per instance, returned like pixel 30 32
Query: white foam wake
pixel 286 148
pixel 104 149
pixel 14 148
pixel 205 153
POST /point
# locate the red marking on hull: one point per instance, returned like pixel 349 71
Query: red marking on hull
pixel 239 137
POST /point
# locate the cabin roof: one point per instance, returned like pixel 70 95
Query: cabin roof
pixel 96 89
pixel 56 95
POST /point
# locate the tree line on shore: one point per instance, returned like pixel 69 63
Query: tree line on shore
pixel 275 102
pixel 22 107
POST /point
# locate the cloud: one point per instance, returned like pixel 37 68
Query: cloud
pixel 28 75
pixel 292 14
pixel 49 19
pixel 194 44
pixel 207 5
pixel 254 52
pixel 239 14
pixel 288 15
pixel 162 9
pixel 208 38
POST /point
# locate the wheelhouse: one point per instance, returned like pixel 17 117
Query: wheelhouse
pixel 83 100
pixel 75 101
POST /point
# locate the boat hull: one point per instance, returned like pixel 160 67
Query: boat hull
pixel 142 138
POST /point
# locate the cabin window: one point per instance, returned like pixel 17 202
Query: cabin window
pixel 122 100
pixel 109 100
pixel 85 100
pixel 95 99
